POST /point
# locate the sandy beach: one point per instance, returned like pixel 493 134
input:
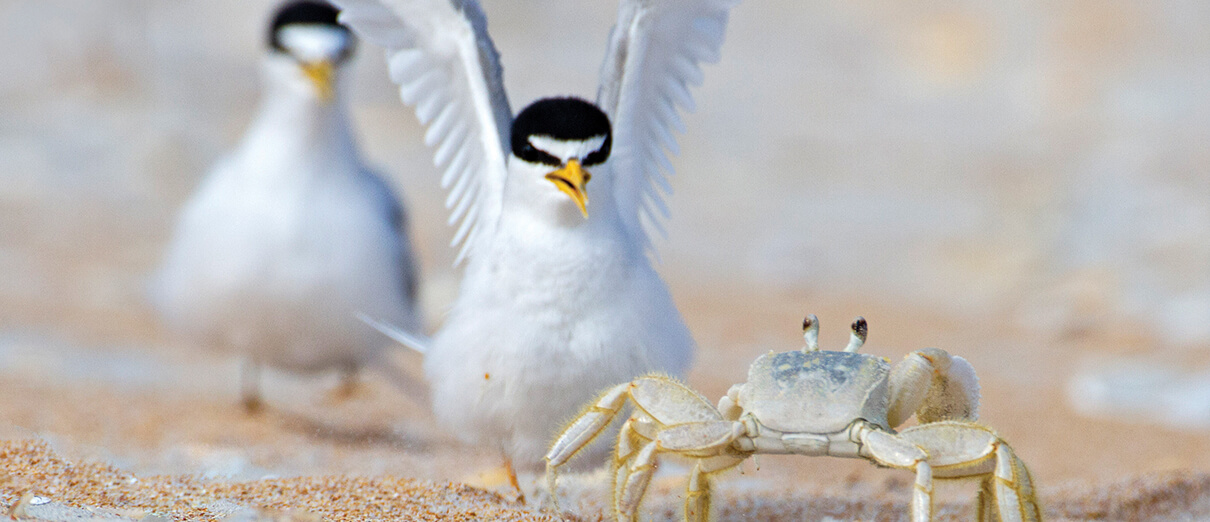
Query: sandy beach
pixel 160 433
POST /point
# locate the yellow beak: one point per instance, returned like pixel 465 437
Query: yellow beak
pixel 571 180
pixel 323 77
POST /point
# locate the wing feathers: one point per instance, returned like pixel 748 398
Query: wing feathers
pixel 679 93
pixel 406 62
pixel 664 165
pixel 442 124
pixel 465 230
pixel 440 55
pixel 375 23
pixel 446 150
pixel 458 190
pixel 459 209
pixel 446 66
pixel 458 165
pixel 653 59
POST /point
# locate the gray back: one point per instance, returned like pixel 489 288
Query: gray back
pixel 817 392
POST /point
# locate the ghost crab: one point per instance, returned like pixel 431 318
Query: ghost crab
pixel 811 402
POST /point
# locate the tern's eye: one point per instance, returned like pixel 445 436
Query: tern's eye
pixel 535 155
pixel 597 157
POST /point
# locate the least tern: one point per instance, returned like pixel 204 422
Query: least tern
pixel 558 297
pixel 291 235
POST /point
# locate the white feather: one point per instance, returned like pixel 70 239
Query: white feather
pixel 314 43
pixel 456 165
pixel 653 58
pixel 416 342
pixel 465 229
pixel 442 124
pixel 447 148
pixel 447 67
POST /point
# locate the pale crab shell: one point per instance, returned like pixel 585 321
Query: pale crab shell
pixel 817 392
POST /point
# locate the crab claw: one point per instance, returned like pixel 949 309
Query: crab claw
pixel 858 335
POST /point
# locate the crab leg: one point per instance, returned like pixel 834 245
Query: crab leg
pixel 697 493
pixel 630 441
pixel 659 401
pixel 1014 487
pixel 632 482
pixel 964 449
pixel 893 451
pixel 922 493
pixel 587 426
pixel 706 440
pixel 634 474
pixel 709 442
pixel 985 500
pixel 581 432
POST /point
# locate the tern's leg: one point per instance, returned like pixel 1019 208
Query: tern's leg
pixel 512 479
pixel 250 387
pixel 350 383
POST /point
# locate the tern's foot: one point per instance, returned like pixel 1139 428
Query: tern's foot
pixel 350 388
pixel 512 480
pixel 249 387
pixel 253 405
pixel 501 479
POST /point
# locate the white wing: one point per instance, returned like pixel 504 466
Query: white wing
pixel 654 56
pixel 448 69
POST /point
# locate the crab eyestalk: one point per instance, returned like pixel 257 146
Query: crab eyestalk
pixel 857 335
pixel 810 333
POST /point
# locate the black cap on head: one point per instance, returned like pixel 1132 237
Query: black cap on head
pixel 562 119
pixel 305 12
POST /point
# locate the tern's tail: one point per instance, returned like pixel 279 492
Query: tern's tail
pixel 419 343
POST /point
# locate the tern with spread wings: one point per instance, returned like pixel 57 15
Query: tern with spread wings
pixel 558 299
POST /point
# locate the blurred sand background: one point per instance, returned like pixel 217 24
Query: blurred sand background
pixel 1026 184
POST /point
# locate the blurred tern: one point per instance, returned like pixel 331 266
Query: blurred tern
pixel 558 298
pixel 290 236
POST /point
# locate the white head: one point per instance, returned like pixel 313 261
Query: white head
pixel 310 46
pixel 555 141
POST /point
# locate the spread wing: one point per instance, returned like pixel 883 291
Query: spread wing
pixel 654 56
pixel 446 66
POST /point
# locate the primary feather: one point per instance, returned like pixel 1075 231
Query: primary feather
pixel 654 56
pixel 440 55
